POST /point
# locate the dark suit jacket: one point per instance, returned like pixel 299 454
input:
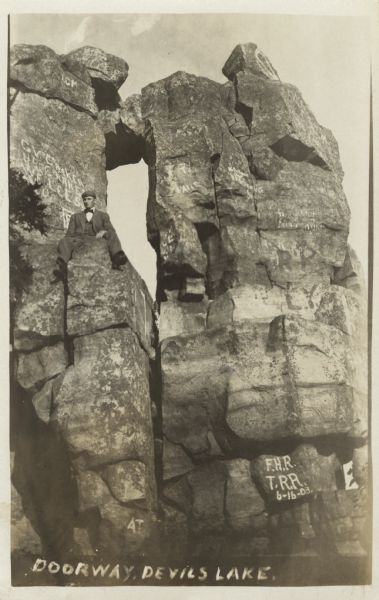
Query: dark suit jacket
pixel 100 220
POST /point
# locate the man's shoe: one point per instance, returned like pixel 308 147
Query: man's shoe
pixel 119 259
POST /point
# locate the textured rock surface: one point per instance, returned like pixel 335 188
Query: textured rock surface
pixel 24 537
pixel 127 480
pixel 39 314
pixel 248 57
pixel 175 460
pixel 102 403
pixel 244 505
pixel 219 507
pixel 55 138
pixel 96 417
pixel 272 358
pixel 298 475
pixel 198 174
pixel 34 368
pixel 62 149
pixel 264 193
pixel 42 401
pixel 100 64
pixel 293 381
pixel 120 530
pixel 38 69
pixel 119 298
pixel 179 318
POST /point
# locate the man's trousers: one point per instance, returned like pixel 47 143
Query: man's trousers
pixel 70 243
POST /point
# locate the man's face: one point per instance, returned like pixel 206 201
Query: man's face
pixel 89 201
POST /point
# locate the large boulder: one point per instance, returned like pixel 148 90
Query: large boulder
pixel 261 364
pixel 122 529
pixel 248 57
pixel 99 64
pixel 198 172
pixel 244 504
pixel 102 402
pixel 38 69
pixel 217 505
pixel 38 318
pixel 34 368
pixel 60 148
pixel 268 365
pixel 100 297
pixel 298 475
pixel 55 139
pixel 303 217
pixel 101 408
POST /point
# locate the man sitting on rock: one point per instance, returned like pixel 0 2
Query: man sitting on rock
pixel 89 222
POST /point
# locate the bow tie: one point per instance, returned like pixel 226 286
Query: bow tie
pixel 87 210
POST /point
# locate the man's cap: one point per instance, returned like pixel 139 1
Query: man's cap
pixel 89 193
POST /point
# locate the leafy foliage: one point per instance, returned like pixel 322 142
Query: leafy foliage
pixel 26 214
pixel 26 210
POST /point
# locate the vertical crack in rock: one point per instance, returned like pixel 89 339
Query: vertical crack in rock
pixel 291 381
pixel 110 435
pixel 68 342
pixel 215 161
pixel 245 111
pixel 155 386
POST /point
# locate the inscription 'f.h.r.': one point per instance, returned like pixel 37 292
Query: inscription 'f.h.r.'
pixel 282 480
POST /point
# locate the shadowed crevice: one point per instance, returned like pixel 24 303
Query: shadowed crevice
pixel 294 150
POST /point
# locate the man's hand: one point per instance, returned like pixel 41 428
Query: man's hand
pixel 101 234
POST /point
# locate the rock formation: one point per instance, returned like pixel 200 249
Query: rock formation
pixel 258 379
pixel 83 349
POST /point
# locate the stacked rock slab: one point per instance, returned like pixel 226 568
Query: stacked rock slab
pixel 262 318
pixel 200 206
pixel 55 140
pixel 101 403
pixel 83 474
pixel 88 402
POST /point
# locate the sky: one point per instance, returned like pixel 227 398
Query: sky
pixel 326 57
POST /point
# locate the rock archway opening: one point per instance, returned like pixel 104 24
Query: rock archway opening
pixel 127 198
